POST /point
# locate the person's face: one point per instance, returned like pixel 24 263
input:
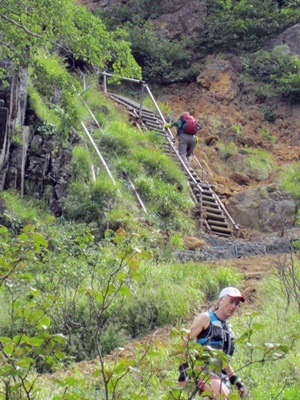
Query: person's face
pixel 228 305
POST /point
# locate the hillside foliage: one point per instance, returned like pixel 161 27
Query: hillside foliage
pixel 104 274
pixel 64 27
pixel 239 27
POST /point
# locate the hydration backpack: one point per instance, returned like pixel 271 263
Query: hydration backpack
pixel 190 126
pixel 220 335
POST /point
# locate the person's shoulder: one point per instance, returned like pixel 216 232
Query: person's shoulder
pixel 204 318
pixel 177 122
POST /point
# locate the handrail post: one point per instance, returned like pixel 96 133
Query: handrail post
pixel 141 99
pixel 201 212
pixel 104 82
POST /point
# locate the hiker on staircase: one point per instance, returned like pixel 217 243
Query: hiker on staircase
pixel 211 329
pixel 187 127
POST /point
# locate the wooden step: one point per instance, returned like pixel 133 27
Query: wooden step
pixel 219 224
pixel 215 217
pixel 207 192
pixel 220 229
pixel 213 208
pixel 153 126
pixel 149 117
pixel 209 199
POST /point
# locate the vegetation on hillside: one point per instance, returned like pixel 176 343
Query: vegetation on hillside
pixel 77 287
pixel 240 27
pixel 64 27
pixel 67 296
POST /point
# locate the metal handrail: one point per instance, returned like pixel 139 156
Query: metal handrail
pixel 170 137
pixel 204 174
pixel 98 152
pixel 102 159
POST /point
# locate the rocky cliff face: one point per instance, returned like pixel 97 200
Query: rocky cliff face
pixel 30 162
pixel 231 113
pixel 13 102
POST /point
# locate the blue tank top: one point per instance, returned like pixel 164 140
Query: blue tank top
pixel 217 335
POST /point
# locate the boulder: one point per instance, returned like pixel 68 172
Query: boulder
pixel 179 19
pixel 193 243
pixel 240 179
pixel 264 209
pixel 290 38
pixel 220 79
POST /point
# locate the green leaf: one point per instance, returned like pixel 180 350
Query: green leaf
pixel 5 339
pixel 25 362
pixel 9 349
pixel 59 338
pixel 124 291
pixel 25 276
pixel 44 322
pixel 35 341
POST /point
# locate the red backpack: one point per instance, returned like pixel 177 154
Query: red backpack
pixel 191 125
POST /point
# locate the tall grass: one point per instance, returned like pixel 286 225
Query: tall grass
pixel 227 150
pixel 259 163
pixel 289 179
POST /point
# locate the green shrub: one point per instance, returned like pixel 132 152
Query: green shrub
pixel 259 163
pixel 150 160
pixel 20 212
pixel 53 94
pixel 267 328
pixel 88 202
pixel 227 150
pixel 119 138
pixel 270 116
pixel 170 292
pixel 162 60
pixel 265 134
pixel 103 109
pixel 165 201
pixel 289 179
pixel 243 26
pixel 130 167
pixel 81 164
pixel 280 72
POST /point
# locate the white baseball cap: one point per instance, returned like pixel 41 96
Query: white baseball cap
pixel 232 292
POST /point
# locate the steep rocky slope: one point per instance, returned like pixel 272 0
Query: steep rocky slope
pixel 231 113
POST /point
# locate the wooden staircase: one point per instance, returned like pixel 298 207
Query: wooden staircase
pixel 213 216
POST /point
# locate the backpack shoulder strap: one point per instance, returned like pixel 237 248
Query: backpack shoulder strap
pixel 213 316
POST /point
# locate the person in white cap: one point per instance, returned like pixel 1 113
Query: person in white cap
pixel 210 329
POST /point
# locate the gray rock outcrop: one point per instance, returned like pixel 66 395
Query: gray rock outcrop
pixel 13 102
pixel 30 162
pixel 290 38
pixel 264 209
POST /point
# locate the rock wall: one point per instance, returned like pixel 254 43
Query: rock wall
pixel 263 209
pixel 13 103
pixel 290 38
pixel 30 162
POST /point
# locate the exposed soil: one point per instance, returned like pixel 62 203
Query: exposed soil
pixel 239 120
